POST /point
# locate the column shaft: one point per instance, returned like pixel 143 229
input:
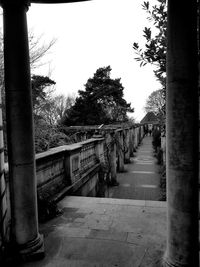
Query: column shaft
pixel 182 136
pixel 127 146
pixel 120 152
pixel 3 190
pixel 22 174
pixel 113 164
pixel 131 143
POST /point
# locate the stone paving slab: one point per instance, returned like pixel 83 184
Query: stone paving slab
pixel 104 232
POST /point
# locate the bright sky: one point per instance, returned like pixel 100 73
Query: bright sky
pixel 95 34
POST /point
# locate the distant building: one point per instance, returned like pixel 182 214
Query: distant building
pixel 149 121
pixel 150 118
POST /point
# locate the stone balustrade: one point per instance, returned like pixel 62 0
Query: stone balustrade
pixel 61 168
pixel 57 168
pixel 75 168
pixel 88 155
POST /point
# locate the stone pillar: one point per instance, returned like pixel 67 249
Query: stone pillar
pixel 182 136
pixel 140 134
pixel 120 152
pixel 113 163
pixel 3 191
pixel 131 142
pixel 127 146
pixel 136 137
pixel 22 174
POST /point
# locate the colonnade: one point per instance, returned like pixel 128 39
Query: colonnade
pixel 123 142
pixel 182 132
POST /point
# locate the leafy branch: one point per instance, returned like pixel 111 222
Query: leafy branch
pixel 154 52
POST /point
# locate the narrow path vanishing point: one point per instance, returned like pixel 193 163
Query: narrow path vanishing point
pixel 141 179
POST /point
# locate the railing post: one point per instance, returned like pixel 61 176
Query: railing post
pixel 21 154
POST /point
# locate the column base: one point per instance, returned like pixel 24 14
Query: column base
pixel 169 263
pixel 127 161
pixel 33 250
pixel 114 183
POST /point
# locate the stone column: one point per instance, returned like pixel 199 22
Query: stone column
pixel 198 47
pixel 3 191
pixel 120 151
pixel 136 137
pixel 127 146
pixel 140 133
pixel 182 136
pixel 131 142
pixel 113 164
pixel 22 174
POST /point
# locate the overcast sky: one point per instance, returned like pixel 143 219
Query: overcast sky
pixel 90 35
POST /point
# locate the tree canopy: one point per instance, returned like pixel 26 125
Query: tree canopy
pixel 101 102
pixel 156 103
pixel 39 84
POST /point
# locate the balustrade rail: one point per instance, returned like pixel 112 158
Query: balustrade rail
pixel 63 166
pixel 88 155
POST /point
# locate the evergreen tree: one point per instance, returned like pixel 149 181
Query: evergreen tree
pixel 101 102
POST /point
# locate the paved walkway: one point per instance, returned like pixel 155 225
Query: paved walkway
pixel 104 232
pixel 141 179
pixel 110 232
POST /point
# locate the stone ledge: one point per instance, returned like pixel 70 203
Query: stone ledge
pixel 114 201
